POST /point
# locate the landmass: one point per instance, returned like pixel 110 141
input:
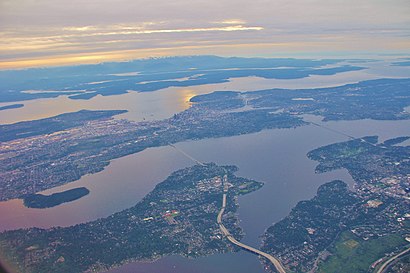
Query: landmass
pixel 340 228
pixel 11 106
pixel 145 75
pixel 356 255
pixel 41 201
pixel 401 265
pixel 404 62
pixel 32 164
pixel 178 217
pixel 41 154
pixel 54 124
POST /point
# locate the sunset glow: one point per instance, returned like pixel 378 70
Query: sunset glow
pixel 42 33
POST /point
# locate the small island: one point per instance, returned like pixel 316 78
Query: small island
pixel 40 201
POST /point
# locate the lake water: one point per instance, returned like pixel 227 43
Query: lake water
pixel 276 157
pixel 166 102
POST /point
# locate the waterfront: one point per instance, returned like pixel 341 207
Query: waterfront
pixel 166 102
pixel 276 157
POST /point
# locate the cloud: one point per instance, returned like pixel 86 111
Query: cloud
pixel 231 22
pixel 52 31
pixel 74 36
pixel 81 29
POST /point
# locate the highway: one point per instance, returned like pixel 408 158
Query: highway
pixel 228 235
pixel 385 266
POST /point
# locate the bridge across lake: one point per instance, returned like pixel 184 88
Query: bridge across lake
pixel 229 236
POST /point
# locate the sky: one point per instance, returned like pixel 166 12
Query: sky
pixel 60 32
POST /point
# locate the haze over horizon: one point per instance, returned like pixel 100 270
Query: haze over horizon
pixel 46 33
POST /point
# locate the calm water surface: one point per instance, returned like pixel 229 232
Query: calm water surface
pixel 276 157
pixel 166 102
